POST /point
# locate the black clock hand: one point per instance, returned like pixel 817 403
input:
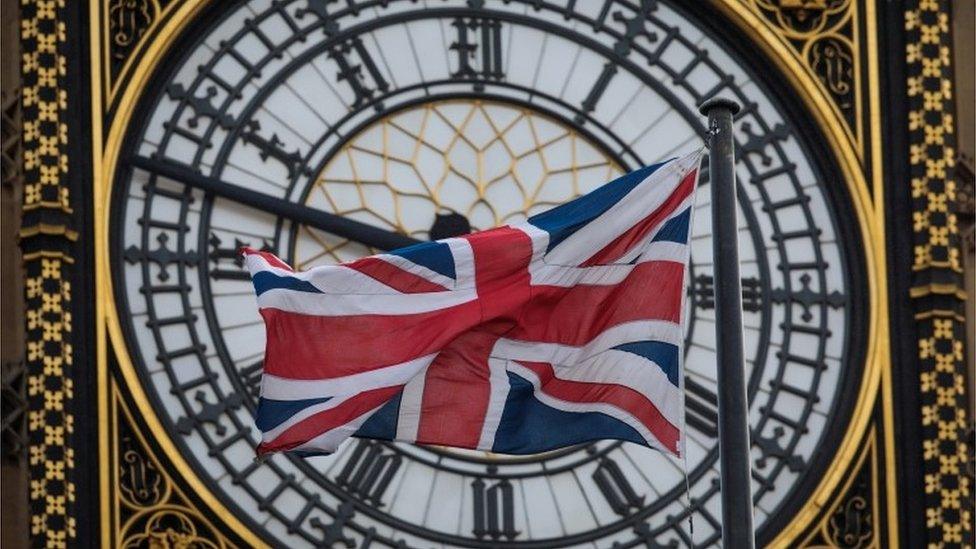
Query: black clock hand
pixel 363 233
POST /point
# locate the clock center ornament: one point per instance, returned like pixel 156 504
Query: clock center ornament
pixel 405 116
pixel 447 167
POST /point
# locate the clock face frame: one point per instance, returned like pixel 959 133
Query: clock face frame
pixel 216 404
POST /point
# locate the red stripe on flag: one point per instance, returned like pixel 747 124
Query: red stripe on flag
pixel 456 392
pixel 318 347
pixel 576 315
pixel 326 420
pixel 620 396
pixel 393 276
pixel 623 243
pixel 458 387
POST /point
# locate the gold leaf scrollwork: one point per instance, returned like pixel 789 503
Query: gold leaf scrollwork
pixel 851 524
pixel 803 18
pixel 139 480
pixel 822 33
pixel 830 58
pixel 169 526
pixel 128 21
pixel 152 510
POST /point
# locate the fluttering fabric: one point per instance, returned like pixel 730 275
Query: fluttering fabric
pixel 561 330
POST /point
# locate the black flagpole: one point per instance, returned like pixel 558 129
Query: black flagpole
pixel 733 404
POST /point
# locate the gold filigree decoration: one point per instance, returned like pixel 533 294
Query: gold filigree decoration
pixel 823 35
pixel 129 28
pixel 803 19
pixel 852 519
pixel 491 161
pixel 150 509
pixel 830 57
pixel 168 526
pixel 128 22
pixel 938 287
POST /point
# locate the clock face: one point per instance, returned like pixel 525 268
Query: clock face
pixel 427 119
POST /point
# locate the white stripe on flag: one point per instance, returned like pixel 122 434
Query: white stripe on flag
pixel 330 440
pixel 632 371
pixel 411 402
pixel 555 353
pixel 329 279
pixel 280 388
pixel 308 303
pixel 417 269
pixel 498 378
pixel 640 202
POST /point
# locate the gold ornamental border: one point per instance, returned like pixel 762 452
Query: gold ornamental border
pixel 870 219
pixel 877 367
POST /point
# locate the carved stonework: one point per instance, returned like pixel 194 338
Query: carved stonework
pixel 821 33
pixel 13 372
pixel 151 510
pixel 937 288
pixel 13 398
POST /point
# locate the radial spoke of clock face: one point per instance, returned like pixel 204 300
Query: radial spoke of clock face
pixel 327 131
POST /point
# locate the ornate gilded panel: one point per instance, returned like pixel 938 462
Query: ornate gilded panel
pixel 824 35
pixel 150 510
pixel 853 517
pixel 937 290
pixel 130 24
pixel 148 507
pixel 46 236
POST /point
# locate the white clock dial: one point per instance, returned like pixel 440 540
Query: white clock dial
pixel 429 118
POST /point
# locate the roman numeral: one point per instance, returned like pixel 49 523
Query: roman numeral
pixel 592 98
pixel 466 46
pixel 273 148
pixel 702 408
pixel 615 487
pixel 353 75
pixel 702 291
pixel 633 27
pixel 494 510
pixel 369 471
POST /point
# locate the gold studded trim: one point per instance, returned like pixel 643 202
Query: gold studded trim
pixel 48 273
pixel 937 267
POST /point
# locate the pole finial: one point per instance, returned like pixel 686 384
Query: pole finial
pixel 719 102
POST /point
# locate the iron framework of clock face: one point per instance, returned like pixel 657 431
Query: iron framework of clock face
pixel 427 118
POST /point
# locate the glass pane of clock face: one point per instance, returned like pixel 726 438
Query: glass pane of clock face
pixel 430 118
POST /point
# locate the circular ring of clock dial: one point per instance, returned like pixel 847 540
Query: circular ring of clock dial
pixel 430 119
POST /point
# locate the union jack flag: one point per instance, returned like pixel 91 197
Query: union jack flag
pixel 521 339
